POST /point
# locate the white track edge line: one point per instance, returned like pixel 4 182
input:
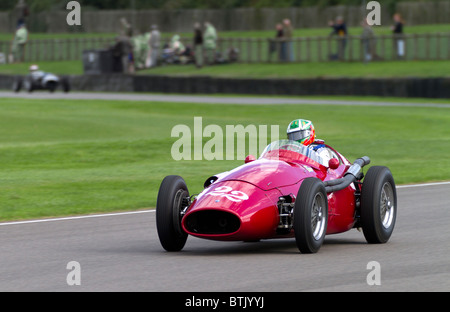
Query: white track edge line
pixel 76 217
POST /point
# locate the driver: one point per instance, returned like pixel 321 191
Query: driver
pixel 35 73
pixel 302 131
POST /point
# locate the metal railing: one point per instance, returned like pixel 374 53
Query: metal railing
pixel 70 49
pixel 348 49
pixel 429 46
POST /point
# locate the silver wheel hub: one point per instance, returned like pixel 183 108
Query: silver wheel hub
pixel 317 219
pixel 387 209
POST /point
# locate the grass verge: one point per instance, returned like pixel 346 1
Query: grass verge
pixel 274 70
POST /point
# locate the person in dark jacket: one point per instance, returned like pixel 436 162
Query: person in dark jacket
pixel 279 36
pixel 399 41
pixel 340 30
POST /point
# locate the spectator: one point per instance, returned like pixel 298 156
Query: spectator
pixel 187 56
pixel 210 43
pixel 340 30
pixel 368 42
pixel 233 55
pixel 198 45
pixel 127 46
pixel 118 54
pixel 275 45
pixel 288 34
pixel 155 43
pixel 17 51
pixel 140 50
pixel 397 30
pixel 124 50
pixel 176 45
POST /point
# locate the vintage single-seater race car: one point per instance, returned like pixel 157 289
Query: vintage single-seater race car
pixel 40 80
pixel 289 191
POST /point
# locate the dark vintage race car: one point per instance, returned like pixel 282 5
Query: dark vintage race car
pixel 40 80
pixel 288 192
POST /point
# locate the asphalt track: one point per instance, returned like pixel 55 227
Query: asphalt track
pixel 121 252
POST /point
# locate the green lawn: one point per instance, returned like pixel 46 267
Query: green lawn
pixel 56 67
pixel 66 157
pixel 296 70
pixel 308 70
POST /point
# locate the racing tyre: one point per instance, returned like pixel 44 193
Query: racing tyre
pixel 310 215
pixel 28 85
pixel 169 205
pixel 65 84
pixel 17 85
pixel 51 86
pixel 378 205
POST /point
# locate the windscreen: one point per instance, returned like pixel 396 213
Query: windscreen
pixel 293 146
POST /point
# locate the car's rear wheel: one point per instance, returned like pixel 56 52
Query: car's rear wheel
pixel 310 215
pixel 169 205
pixel 65 84
pixel 378 205
pixel 28 85
pixel 51 86
pixel 17 84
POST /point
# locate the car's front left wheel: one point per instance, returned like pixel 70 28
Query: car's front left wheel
pixel 310 215
pixel 170 203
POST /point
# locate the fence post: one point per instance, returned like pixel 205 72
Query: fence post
pixel 448 46
pixel 330 43
pixel 416 46
pixel 350 44
pixel 319 49
pixel 258 47
pixel 308 49
pixel 438 46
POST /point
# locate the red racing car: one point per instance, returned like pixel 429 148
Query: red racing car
pixel 288 192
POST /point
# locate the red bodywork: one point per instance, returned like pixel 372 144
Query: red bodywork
pixel 244 200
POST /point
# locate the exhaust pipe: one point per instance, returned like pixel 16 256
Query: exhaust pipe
pixel 353 174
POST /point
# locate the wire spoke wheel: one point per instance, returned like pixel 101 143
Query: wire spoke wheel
pixel 387 205
pixel 317 216
pixel 310 215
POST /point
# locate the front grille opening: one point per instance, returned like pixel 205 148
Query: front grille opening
pixel 212 222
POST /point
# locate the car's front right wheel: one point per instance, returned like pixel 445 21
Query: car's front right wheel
pixel 378 205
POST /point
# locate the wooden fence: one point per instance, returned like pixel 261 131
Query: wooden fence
pixel 350 49
pixel 429 46
pixel 69 49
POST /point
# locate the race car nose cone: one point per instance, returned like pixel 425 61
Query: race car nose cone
pixel 212 222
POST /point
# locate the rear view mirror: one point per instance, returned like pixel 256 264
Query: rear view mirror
pixel 333 163
pixel 249 158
